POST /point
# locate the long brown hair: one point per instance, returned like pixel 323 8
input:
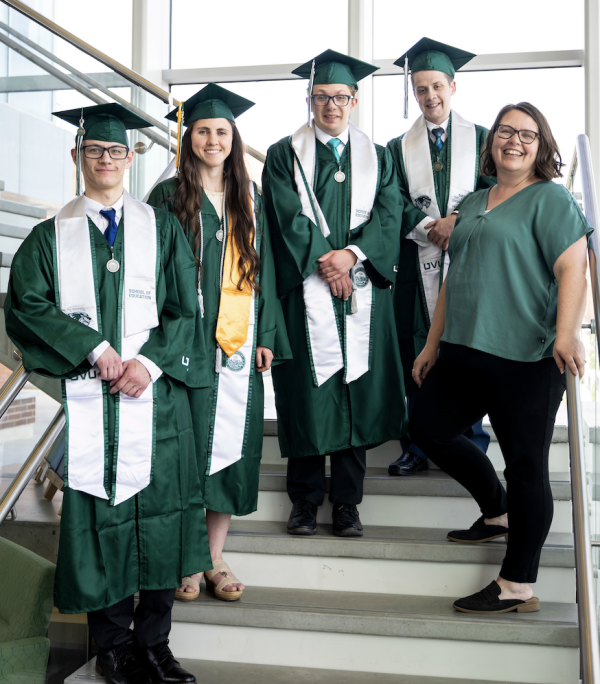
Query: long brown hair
pixel 548 162
pixel 189 197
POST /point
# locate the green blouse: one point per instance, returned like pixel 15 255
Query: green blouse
pixel 501 293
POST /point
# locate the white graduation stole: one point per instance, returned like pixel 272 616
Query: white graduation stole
pixel 324 344
pixel 84 397
pixel 421 185
pixel 233 391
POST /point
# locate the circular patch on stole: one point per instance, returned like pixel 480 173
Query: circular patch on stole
pixel 236 362
pixel 361 279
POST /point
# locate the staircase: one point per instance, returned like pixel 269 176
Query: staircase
pixel 376 609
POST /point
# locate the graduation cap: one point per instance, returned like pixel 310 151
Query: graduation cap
pixel 333 67
pixel 212 102
pixel 106 123
pixel 431 55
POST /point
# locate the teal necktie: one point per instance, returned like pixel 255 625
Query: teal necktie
pixel 333 143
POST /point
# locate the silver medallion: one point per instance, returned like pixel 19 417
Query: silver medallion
pixel 113 265
pixel 219 235
pixel 438 166
pixel 340 176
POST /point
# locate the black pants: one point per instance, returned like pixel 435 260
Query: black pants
pixel 306 477
pixel 521 400
pixel 151 619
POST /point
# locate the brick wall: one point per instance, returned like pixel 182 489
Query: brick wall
pixel 20 412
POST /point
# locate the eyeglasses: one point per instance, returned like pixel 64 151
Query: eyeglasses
pixel 338 100
pixel 96 152
pixel 507 132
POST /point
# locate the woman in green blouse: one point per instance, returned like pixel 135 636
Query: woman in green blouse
pixel 505 329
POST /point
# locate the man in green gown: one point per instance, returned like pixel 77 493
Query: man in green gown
pixel 102 296
pixel 332 200
pixel 437 162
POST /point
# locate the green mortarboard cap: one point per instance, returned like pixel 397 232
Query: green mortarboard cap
pixel 429 55
pixel 106 122
pixel 212 102
pixel 334 67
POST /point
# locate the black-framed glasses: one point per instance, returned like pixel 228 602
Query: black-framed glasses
pixel 338 100
pixel 525 136
pixel 96 152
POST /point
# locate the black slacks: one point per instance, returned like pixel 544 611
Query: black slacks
pixel 522 400
pixel 306 477
pixel 151 619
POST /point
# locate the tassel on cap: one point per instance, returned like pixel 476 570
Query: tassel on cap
pixel 79 139
pixel 406 87
pixel 179 131
pixel 311 81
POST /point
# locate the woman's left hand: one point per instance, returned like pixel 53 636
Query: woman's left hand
pixel 570 352
pixel 264 358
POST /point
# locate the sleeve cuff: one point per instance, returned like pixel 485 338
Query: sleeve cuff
pixel 150 366
pixel 418 233
pixel 360 255
pixel 94 355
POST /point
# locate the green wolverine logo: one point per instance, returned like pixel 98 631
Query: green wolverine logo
pixel 236 362
pixel 361 279
pixel 81 317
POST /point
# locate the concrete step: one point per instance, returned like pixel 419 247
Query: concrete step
pixel 392 560
pixel 429 499
pixel 1 186
pixel 9 230
pixel 363 632
pixel 215 672
pixel 22 209
pixel 383 455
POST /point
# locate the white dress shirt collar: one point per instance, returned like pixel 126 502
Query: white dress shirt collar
pixel 325 138
pixel 431 126
pixel 93 208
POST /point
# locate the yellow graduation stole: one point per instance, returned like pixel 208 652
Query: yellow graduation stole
pixel 234 305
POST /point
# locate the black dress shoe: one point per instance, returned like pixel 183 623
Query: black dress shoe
pixel 303 518
pixel 486 602
pixel 120 666
pixel 408 464
pixel 479 532
pixel 161 666
pixel 346 522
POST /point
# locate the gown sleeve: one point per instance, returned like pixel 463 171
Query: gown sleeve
pixel 52 343
pixel 177 344
pixel 379 237
pixel 297 241
pixel 272 332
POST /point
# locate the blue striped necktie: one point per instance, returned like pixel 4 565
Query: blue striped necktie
pixel 111 232
pixel 438 132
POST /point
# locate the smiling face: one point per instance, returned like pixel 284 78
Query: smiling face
pixel 433 91
pixel 333 119
pixel 104 174
pixel 513 158
pixel 211 141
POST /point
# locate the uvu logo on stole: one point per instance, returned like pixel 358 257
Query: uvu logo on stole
pixel 432 265
pixel 92 374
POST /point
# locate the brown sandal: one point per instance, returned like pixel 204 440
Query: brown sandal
pixel 182 595
pixel 220 567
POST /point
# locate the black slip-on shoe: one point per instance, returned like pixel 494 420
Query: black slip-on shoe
pixel 408 464
pixel 346 522
pixel 479 532
pixel 486 602
pixel 119 665
pixel 303 518
pixel 161 666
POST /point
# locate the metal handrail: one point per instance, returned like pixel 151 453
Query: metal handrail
pixel 586 597
pixel 12 387
pixel 119 68
pixel 35 459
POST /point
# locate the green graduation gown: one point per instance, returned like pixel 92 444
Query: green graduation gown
pixel 409 299
pixel 158 536
pixel 234 489
pixel 335 416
